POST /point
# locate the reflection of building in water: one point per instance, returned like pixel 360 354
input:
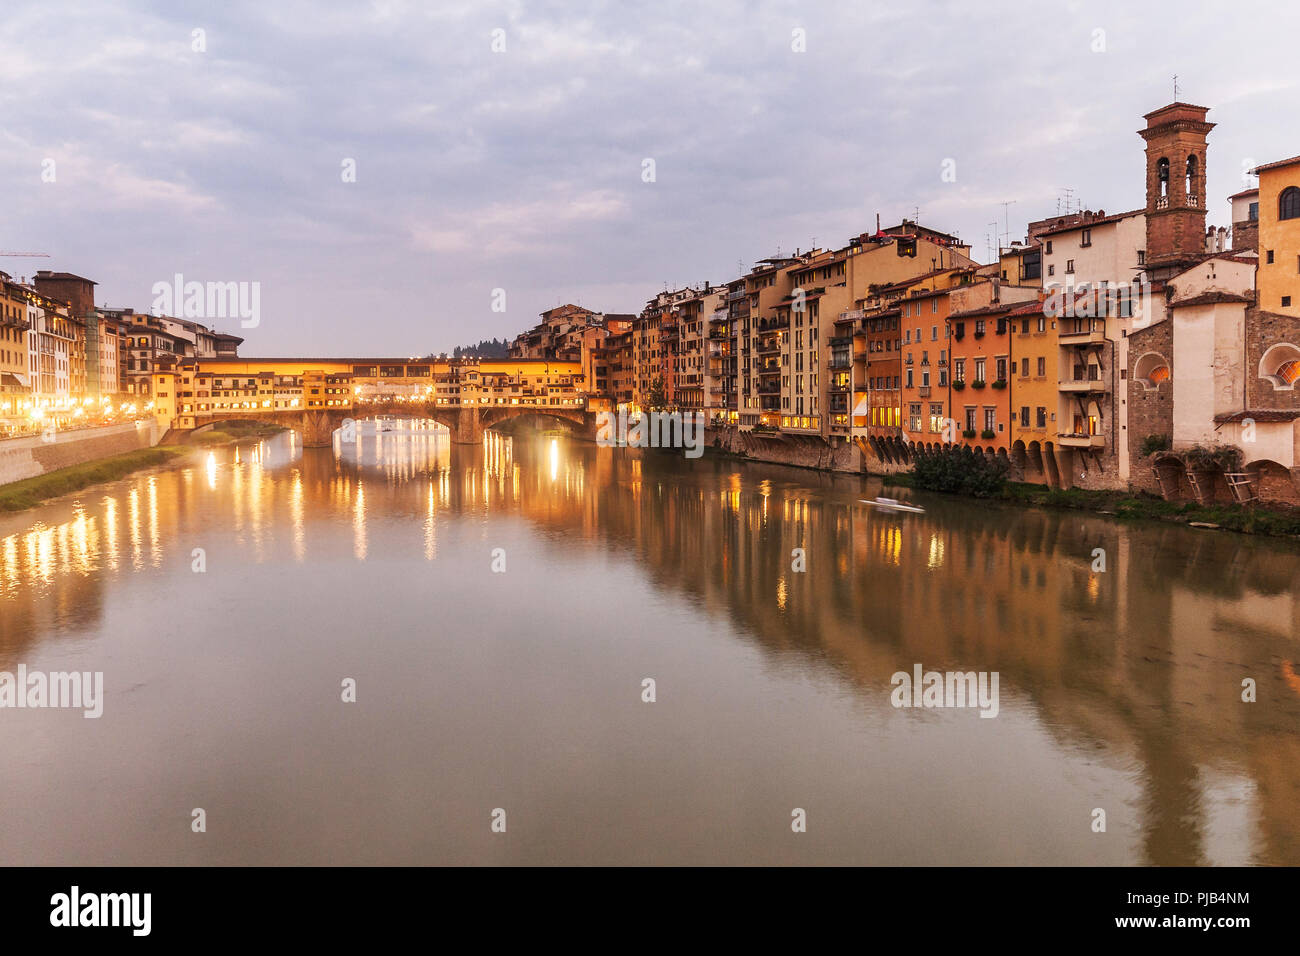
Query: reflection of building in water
pixel 1140 663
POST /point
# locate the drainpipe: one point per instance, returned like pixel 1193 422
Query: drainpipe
pixel 1114 418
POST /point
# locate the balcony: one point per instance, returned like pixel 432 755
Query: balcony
pixel 1083 385
pixel 1089 337
pixel 1081 441
pixel 923 391
pixel 841 361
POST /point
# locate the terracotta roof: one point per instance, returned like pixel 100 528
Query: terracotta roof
pixel 1245 192
pixel 46 274
pixel 1088 224
pixel 994 308
pixel 1209 298
pixel 1261 415
pixel 1277 165
pixel 1030 308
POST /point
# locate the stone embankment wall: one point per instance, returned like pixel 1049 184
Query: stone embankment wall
pixel 35 456
pixel 803 451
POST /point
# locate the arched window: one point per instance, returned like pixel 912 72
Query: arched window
pixel 1281 366
pixel 1162 173
pixel 1288 204
pixel 1151 369
pixel 1191 176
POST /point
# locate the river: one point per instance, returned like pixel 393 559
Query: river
pixel 500 611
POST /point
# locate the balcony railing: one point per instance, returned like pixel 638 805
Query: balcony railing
pixel 1083 385
pixel 1081 441
pixel 1086 337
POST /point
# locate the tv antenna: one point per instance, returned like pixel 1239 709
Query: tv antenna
pixel 1006 216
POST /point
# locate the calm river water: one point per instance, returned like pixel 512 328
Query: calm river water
pixel 521 689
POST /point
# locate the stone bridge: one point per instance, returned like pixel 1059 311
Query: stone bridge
pixel 466 423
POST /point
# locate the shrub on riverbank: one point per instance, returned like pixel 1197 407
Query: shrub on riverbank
pixel 958 470
pixel 1255 519
pixel 32 491
pixel 235 431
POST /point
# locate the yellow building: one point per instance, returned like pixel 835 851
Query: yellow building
pixel 1279 236
pixel 1033 389
pixel 15 386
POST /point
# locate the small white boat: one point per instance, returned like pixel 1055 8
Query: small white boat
pixel 892 504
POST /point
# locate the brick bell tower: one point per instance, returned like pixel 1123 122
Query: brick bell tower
pixel 1175 137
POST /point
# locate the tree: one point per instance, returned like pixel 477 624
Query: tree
pixel 658 397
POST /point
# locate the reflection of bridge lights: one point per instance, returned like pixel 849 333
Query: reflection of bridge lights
pixel 555 458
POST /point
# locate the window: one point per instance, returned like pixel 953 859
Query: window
pixel 934 333
pixel 1049 247
pixel 1051 270
pixel 934 305
pixel 1142 257
pixel 1286 302
pixel 1031 264
pixel 936 417
pixel 979 370
pixel 1041 416
pixel 1069 266
pixel 1024 416
pixel 990 419
pixel 1042 365
pixel 1268 257
pixel 1085 238
pixel 1024 368
pixel 1288 204
pixel 1253 215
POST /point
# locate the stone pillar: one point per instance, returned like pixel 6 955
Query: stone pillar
pixel 468 431
pixel 317 428
pixel 1064 466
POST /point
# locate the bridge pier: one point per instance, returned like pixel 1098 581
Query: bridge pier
pixel 467 429
pixel 317 427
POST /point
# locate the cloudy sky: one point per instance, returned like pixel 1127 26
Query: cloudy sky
pixel 523 169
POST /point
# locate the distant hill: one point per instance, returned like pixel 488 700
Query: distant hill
pixel 487 348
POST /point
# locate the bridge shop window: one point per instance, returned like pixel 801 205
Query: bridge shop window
pixel 417 371
pixel 364 371
pixel 391 371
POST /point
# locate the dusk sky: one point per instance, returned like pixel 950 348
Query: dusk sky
pixel 522 169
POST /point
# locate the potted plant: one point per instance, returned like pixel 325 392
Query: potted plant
pixel 978 383
pixel 987 433
pixel 958 384
pixel 1000 383
pixel 968 433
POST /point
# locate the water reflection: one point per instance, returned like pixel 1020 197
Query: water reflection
pixel 1120 689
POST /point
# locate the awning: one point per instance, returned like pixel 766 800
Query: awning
pixel 9 380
